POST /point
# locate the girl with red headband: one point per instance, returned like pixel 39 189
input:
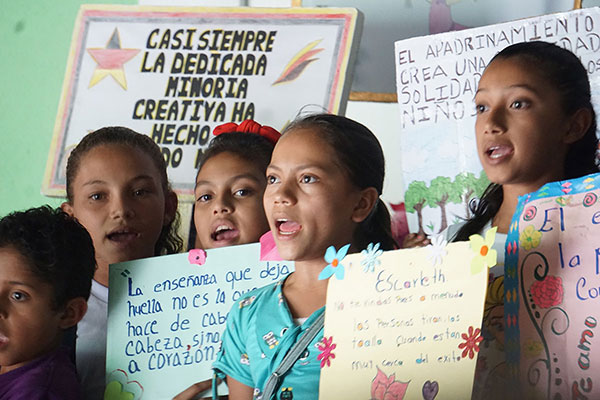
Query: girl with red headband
pixel 230 184
pixel 229 193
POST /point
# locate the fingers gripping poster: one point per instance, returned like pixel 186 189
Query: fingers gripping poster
pixel 166 316
pixel 552 285
pixel 405 324
pixel 174 73
pixel 436 80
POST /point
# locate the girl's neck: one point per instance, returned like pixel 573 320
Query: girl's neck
pixel 303 290
pixel 101 274
pixel 510 199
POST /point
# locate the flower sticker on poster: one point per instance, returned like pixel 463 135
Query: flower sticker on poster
pixel 485 255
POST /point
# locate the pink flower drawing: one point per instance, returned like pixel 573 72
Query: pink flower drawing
pixel 471 344
pixel 386 387
pixel 326 346
pixel 547 293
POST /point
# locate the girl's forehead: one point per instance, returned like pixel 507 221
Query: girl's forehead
pixel 117 159
pixel 299 147
pixel 227 164
pixel 304 138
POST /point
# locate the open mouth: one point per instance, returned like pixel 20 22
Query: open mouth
pixel 224 233
pixel 286 227
pixel 123 235
pixel 498 151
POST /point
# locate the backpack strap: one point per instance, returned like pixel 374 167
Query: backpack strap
pixel 292 356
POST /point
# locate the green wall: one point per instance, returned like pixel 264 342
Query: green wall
pixel 36 37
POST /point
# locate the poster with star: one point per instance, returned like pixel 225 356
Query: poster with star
pixel 404 324
pixel 166 316
pixel 174 73
pixel 552 291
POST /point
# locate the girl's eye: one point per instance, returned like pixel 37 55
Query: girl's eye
pixel 96 196
pixel 272 179
pixel 519 104
pixel 480 108
pixel 242 192
pixel 308 179
pixel 140 192
pixel 204 198
pixel 18 296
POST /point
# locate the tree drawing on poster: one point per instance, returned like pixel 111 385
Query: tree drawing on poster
pixel 552 290
pixel 436 81
pixel 176 73
pixel 166 316
pixel 405 324
pixel 440 192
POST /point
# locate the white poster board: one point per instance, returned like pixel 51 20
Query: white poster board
pixel 166 316
pixel 174 73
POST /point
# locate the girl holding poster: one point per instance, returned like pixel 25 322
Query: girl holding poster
pixel 535 124
pixel 323 188
pixel 117 188
pixel 229 190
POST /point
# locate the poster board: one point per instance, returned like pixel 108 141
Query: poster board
pixel 436 80
pixel 551 291
pixel 405 323
pixel 174 73
pixel 166 315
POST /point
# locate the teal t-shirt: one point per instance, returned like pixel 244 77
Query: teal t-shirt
pixel 260 331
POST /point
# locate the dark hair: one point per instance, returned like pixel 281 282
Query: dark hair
pixel 563 70
pixel 169 241
pixel 58 249
pixel 249 146
pixel 360 153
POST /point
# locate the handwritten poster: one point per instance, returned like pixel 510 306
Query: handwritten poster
pixel 405 323
pixel 552 289
pixel 436 80
pixel 174 73
pixel 166 315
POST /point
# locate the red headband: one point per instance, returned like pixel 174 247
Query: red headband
pixel 249 126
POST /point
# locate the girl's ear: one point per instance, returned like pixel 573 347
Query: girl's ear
pixel 73 312
pixel 67 207
pixel 171 203
pixel 368 199
pixel 580 123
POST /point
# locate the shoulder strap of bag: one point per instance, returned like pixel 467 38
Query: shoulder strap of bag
pixel 292 356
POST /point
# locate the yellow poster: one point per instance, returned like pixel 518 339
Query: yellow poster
pixel 405 324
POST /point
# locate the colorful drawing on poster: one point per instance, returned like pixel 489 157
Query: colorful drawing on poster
pixel 299 62
pixel 436 79
pixel 551 282
pixel 110 61
pixel 166 316
pixel 408 328
pixel 371 256
pixel 119 387
pixel 430 390
pixel 326 346
pixel 387 387
pixel 174 74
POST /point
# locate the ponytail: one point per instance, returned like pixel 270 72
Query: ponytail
pixel 483 212
pixel 376 228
